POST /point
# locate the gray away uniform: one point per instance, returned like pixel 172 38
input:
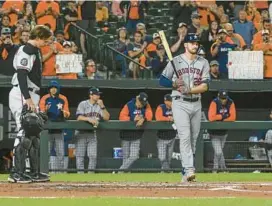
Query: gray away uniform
pixel 186 108
pixel 86 141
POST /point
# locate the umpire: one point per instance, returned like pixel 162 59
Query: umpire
pixel 221 108
pixel 139 111
pixel 166 138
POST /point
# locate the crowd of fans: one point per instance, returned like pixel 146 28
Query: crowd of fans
pixel 130 27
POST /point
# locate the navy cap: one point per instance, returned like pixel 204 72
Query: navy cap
pixel 143 98
pixel 223 94
pixel 168 97
pixel 191 37
pixel 94 90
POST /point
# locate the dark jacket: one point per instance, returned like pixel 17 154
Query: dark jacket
pixel 143 5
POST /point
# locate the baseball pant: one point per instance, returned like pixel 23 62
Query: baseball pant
pixel 131 150
pixel 165 151
pixel 86 142
pixel 218 143
pixel 187 118
pixel 56 140
pixel 16 102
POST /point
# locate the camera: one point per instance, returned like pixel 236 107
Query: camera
pixel 266 38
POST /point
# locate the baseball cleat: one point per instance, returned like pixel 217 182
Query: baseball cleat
pixel 38 177
pixel 17 178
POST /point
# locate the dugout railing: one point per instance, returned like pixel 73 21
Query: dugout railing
pixel 151 163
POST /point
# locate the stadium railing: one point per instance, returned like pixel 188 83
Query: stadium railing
pixel 201 164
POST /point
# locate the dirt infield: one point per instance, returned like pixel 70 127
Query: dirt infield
pixel 144 190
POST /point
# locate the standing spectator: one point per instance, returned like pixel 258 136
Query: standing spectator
pixel 48 12
pixel 5 21
pixel 205 10
pixel 91 111
pixel 7 51
pixel 28 14
pixel 135 12
pixel 14 9
pixel 244 28
pixel 60 36
pixel 166 138
pixel 182 11
pixel 220 50
pixel 178 47
pixel 195 26
pixel 209 36
pixel 214 65
pixel 121 45
pixel 234 38
pixel 102 14
pixel 266 47
pixel 145 38
pixel 236 6
pixel 87 22
pixel 49 53
pixel 56 106
pixel 159 62
pixel 136 52
pixel 70 15
pixel 253 14
pixel 24 37
pixel 221 108
pixel 137 110
pixel 258 37
pixel 115 8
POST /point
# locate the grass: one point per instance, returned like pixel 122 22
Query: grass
pixel 158 177
pixel 97 201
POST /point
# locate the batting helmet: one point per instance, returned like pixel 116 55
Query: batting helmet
pixel 32 122
pixel 191 37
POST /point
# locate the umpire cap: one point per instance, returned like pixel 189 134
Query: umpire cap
pixel 191 37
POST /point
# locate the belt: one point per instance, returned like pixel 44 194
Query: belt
pixel 187 99
pixel 36 91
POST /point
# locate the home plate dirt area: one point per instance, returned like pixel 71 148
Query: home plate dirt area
pixel 142 190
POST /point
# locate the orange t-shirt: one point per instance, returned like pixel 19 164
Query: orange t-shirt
pixel 238 38
pixel 102 14
pixel 18 5
pixel 134 10
pixel 49 19
pixel 49 65
pixel 204 12
pixel 267 58
pixel 256 20
pixel 261 4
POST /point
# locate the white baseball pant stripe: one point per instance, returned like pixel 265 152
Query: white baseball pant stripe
pixel 131 150
pixel 165 151
pixel 86 142
pixel 187 118
pixel 218 143
pixel 56 140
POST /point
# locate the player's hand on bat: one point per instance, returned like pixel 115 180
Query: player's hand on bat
pixel 179 82
pixel 184 89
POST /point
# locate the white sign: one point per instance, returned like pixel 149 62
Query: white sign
pixel 69 63
pixel 246 65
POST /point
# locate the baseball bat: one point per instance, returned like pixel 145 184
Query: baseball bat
pixel 168 51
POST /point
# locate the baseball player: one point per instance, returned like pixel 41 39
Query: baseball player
pixel 166 138
pixel 26 83
pixel 91 110
pixel 191 80
pixel 56 106
pixel 221 108
pixel 139 111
